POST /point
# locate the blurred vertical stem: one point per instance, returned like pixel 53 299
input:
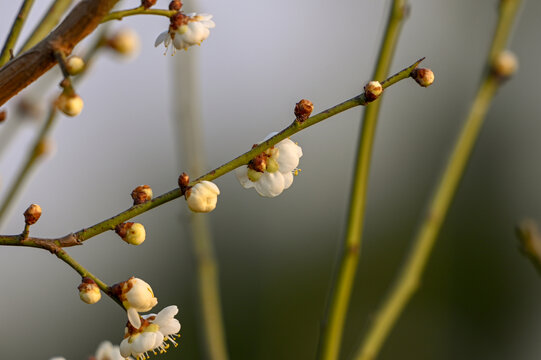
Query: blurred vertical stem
pixel 35 153
pixel 343 284
pixel 409 278
pixel 188 116
pixel 47 23
pixel 15 31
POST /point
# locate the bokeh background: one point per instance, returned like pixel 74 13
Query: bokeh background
pixel 479 299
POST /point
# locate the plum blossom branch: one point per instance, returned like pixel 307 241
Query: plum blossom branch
pixel 29 66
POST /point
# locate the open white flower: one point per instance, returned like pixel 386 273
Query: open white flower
pixel 136 296
pixel 202 197
pixel 186 30
pixel 153 334
pixel 271 172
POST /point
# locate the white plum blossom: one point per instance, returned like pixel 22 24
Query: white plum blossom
pixel 202 197
pixel 155 331
pixel 186 30
pixel 136 296
pixel 271 172
pixel 106 351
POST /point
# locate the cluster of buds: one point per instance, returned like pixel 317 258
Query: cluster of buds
pixel 303 109
pixel 132 233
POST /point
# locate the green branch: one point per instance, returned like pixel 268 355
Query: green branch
pixel 243 159
pixel 47 23
pixel 35 153
pixel 342 285
pixel 409 278
pixel 119 15
pixel 16 28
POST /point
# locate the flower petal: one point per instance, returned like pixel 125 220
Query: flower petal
pixel 270 184
pixel 288 158
pixel 161 38
pixel 288 179
pixel 242 176
pixel 133 318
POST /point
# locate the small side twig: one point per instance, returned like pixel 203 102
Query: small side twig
pixel 7 51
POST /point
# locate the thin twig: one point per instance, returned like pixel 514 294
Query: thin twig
pixel 15 31
pixel 119 15
pixel 343 281
pixel 409 278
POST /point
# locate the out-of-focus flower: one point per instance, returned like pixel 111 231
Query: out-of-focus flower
pixel 125 42
pixel 136 296
pixel 202 197
pixel 186 30
pixel 152 335
pixel 272 171
pixel 106 351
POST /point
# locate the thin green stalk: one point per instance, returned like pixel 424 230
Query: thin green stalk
pixel 344 280
pixel 35 153
pixel 295 127
pixel 119 15
pixel 47 23
pixel 409 278
pixel 188 118
pixel 15 31
pixel 63 255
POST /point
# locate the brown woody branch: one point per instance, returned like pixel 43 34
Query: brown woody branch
pixel 28 67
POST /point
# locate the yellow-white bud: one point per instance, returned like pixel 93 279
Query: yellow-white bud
pixel 505 64
pixel 74 65
pixel 70 105
pixel 373 90
pixel 89 291
pixel 125 42
pixel 202 197
pixel 132 233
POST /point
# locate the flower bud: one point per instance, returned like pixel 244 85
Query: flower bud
pixel 141 194
pixel 136 296
pixel 175 5
pixel 74 65
pixel 148 3
pixel 423 77
pixel 32 214
pixel 2 115
pixel 183 181
pixel 132 233
pixel 372 90
pixel 70 105
pixel 303 109
pixel 89 291
pixel 505 64
pixel 125 42
pixel 202 197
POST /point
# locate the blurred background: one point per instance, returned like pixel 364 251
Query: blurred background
pixel 480 298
